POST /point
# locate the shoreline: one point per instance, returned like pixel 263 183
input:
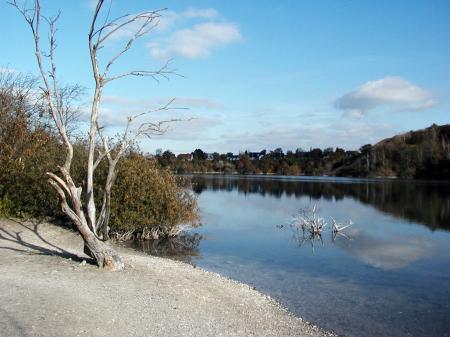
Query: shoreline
pixel 272 176
pixel 47 290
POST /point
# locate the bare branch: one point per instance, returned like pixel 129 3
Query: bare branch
pixel 60 182
pixel 33 21
pixel 165 107
pixel 24 11
pixel 99 159
pixel 63 201
pixel 149 129
pixel 147 16
pixel 102 34
pixel 140 32
pixel 107 24
pixel 52 22
pixel 164 72
pixel 106 20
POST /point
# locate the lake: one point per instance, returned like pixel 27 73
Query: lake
pixel 387 275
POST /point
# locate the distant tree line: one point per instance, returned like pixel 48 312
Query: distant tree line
pixel 313 162
pixel 416 154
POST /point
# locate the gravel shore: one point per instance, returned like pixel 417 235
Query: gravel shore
pixel 47 290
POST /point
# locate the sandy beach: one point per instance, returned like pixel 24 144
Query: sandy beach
pixel 49 288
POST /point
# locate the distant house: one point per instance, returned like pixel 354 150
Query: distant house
pixel 210 156
pixel 232 157
pixel 185 156
pixel 256 155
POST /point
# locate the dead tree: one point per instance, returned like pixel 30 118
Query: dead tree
pixel 77 202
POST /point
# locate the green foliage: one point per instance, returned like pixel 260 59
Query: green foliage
pixel 27 151
pixel 144 195
pixel 6 206
pixel 25 185
pixel 147 196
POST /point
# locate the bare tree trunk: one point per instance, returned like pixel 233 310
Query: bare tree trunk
pixel 103 219
pixel 82 214
pixel 102 253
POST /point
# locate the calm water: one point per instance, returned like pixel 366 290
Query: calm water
pixel 389 277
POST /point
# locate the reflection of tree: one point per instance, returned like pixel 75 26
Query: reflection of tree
pixel 426 203
pixel 182 248
pixel 302 235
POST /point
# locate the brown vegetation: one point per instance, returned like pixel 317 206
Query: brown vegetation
pixel 146 198
pixel 421 154
pixel 78 201
pixel 416 154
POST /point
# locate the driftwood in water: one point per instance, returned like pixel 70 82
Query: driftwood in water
pixel 309 227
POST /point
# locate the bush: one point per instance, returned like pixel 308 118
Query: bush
pixel 145 199
pixel 6 206
pixel 148 200
pixel 24 190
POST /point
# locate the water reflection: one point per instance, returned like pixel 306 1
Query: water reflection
pixel 422 202
pixel 183 248
pixel 388 277
pixel 385 253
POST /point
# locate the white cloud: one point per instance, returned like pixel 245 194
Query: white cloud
pixel 160 24
pixel 166 21
pixel 393 93
pixel 197 42
pixel 346 135
pixel 145 103
pixel 196 114
pixel 192 129
pixel 205 13
pixel 192 33
pixel 169 18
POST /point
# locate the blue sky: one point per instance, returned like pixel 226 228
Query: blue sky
pixel 265 74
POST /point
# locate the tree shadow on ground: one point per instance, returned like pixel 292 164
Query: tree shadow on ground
pixel 33 226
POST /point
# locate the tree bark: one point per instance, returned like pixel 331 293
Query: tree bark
pixel 103 254
pixel 103 219
pixel 83 214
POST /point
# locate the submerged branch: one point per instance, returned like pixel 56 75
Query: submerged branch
pixel 309 226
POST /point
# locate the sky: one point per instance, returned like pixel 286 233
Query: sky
pixel 253 75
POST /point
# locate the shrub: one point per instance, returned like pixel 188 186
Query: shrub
pixel 148 200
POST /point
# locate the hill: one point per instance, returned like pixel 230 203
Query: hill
pixel 421 154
